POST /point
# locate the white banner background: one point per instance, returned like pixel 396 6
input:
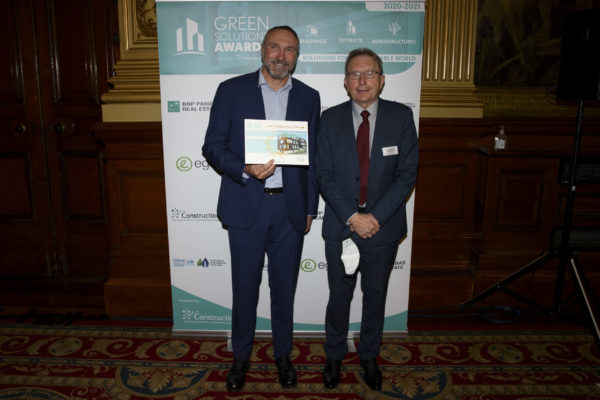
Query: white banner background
pixel 198 244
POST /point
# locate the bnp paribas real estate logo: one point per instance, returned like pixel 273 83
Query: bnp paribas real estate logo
pixel 173 106
pixel 188 39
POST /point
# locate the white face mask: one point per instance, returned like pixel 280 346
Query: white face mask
pixel 350 256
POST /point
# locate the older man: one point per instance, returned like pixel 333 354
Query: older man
pixel 366 166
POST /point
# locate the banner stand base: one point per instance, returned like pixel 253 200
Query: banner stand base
pixel 349 341
pixel 351 345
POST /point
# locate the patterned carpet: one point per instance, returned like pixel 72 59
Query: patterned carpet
pixel 126 363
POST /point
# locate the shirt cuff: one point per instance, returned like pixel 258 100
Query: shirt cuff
pixel 349 218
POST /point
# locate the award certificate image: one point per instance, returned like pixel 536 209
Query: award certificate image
pixel 286 142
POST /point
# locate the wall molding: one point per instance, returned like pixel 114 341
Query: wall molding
pixel 448 88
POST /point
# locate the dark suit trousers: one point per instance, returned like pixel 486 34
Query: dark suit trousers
pixel 271 233
pixel 376 263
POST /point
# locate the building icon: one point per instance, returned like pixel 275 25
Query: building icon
pixel 194 41
pixel 350 29
pixel 312 30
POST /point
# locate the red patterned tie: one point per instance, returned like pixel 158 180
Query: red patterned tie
pixel 362 145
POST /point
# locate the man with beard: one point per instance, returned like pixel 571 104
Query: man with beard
pixel 265 208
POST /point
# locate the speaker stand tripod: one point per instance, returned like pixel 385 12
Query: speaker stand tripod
pixel 567 258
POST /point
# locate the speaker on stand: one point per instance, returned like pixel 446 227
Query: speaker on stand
pixel 579 79
pixel 579 76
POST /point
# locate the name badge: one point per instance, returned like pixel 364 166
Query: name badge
pixel 390 151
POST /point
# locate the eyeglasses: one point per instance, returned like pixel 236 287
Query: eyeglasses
pixel 354 76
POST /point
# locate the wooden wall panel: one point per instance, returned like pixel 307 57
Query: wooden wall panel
pixel 444 221
pixel 479 214
pixel 143 207
pixel 56 60
pixel 586 211
pixel 140 200
pixel 25 240
pixel 83 193
pixel 518 214
pixel 444 209
pixel 11 68
pixel 139 281
pixel 445 188
pixel 73 73
pixel 88 250
pixel 73 46
pixel 16 202
pixel 510 202
pixel 520 200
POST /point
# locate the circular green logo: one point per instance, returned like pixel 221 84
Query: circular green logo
pixel 184 164
pixel 308 265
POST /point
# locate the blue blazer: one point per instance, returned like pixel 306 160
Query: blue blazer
pixel 240 199
pixel 392 169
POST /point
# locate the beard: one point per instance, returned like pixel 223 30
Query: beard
pixel 278 69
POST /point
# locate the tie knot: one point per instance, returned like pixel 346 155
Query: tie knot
pixel 365 114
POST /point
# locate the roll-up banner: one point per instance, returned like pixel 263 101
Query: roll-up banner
pixel 202 43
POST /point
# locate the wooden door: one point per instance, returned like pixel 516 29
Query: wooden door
pixel 56 60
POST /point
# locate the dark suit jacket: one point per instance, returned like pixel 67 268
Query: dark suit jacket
pixel 391 177
pixel 239 200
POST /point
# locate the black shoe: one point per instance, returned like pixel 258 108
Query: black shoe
pixel 372 373
pixel 331 373
pixel 287 372
pixel 237 375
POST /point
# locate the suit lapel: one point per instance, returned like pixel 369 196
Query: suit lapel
pixel 347 136
pixel 292 104
pixel 256 103
pixel 378 135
